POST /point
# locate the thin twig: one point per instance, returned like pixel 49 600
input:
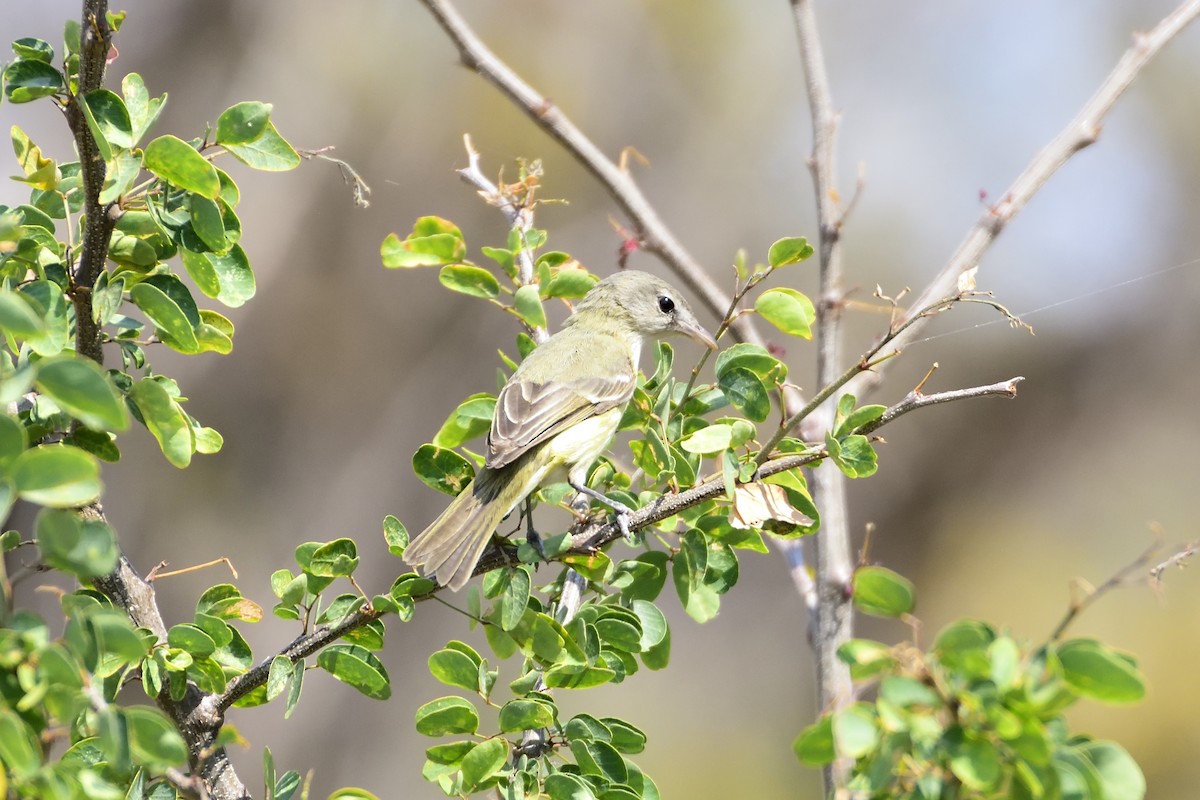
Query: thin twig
pixel 1130 573
pixel 653 234
pixel 349 174
pixel 1082 131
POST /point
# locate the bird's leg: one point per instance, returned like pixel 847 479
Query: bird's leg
pixel 532 536
pixel 621 510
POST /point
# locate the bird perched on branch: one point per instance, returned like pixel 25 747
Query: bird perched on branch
pixel 556 415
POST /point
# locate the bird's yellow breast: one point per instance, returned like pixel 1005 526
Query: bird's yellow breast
pixel 576 448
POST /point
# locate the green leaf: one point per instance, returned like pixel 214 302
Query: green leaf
pixel 814 745
pixel 976 763
pixel 525 715
pixel 528 305
pixel 178 163
pixel 470 280
pixel 434 241
pixel 336 559
pixel 108 120
pixel 13 441
pixel 51 305
pixel 33 49
pixel 455 668
pixel 175 328
pixel 853 455
pixel 358 667
pixel 881 592
pixel 565 786
pixel 40 172
pixel 29 79
pixel 153 740
pixel 515 599
pixel 80 387
pixel 483 761
pixel 57 475
pixel 447 715
pixel 143 110
pixel 18 317
pixel 787 309
pixel 207 222
pixel 349 793
pixel 1095 670
pixel 1120 776
pixel 395 534
pixel 19 748
pixel 573 677
pixel 569 284
pixel 243 123
pixel 442 469
pixel 866 658
pixel 84 549
pixel 472 418
pixel 192 639
pixel 120 173
pixel 746 392
pixel 626 738
pixel 791 250
pixel 712 439
pixel 270 152
pixel 165 420
pixel 699 599
pixel 855 730
pixel 234 276
pixel 654 627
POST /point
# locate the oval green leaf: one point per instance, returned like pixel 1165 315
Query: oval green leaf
pixel 83 549
pixel 1095 670
pixel 525 715
pixel 358 667
pixel 881 592
pixel 243 123
pixel 470 280
pixel 790 250
pixel 447 715
pixel 712 439
pixel 442 469
pixel 483 761
pixel 270 152
pixel 165 420
pixel 788 310
pixel 57 475
pixel 454 668
pixel 178 163
pixel 80 387
pixel 28 79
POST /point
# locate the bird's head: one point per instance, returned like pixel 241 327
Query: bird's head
pixel 647 304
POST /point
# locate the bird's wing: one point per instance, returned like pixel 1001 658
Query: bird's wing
pixel 528 412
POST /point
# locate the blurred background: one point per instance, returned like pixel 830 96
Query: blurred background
pixel 991 507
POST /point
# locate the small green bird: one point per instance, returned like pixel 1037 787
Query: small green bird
pixel 556 415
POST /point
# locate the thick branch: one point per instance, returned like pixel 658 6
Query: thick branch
pixel 124 586
pixel 1082 131
pixel 833 623
pixel 95 41
pixel 654 235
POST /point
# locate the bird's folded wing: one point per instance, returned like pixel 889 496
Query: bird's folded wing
pixel 529 413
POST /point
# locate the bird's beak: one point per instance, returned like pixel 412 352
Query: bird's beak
pixel 692 329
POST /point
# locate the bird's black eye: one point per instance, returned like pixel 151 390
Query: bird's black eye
pixel 665 304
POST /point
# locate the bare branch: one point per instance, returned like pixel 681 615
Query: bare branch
pixel 1130 573
pixel 654 235
pixel 1082 131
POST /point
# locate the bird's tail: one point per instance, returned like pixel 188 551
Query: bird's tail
pixel 452 545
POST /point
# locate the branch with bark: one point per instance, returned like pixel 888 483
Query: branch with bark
pixel 653 234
